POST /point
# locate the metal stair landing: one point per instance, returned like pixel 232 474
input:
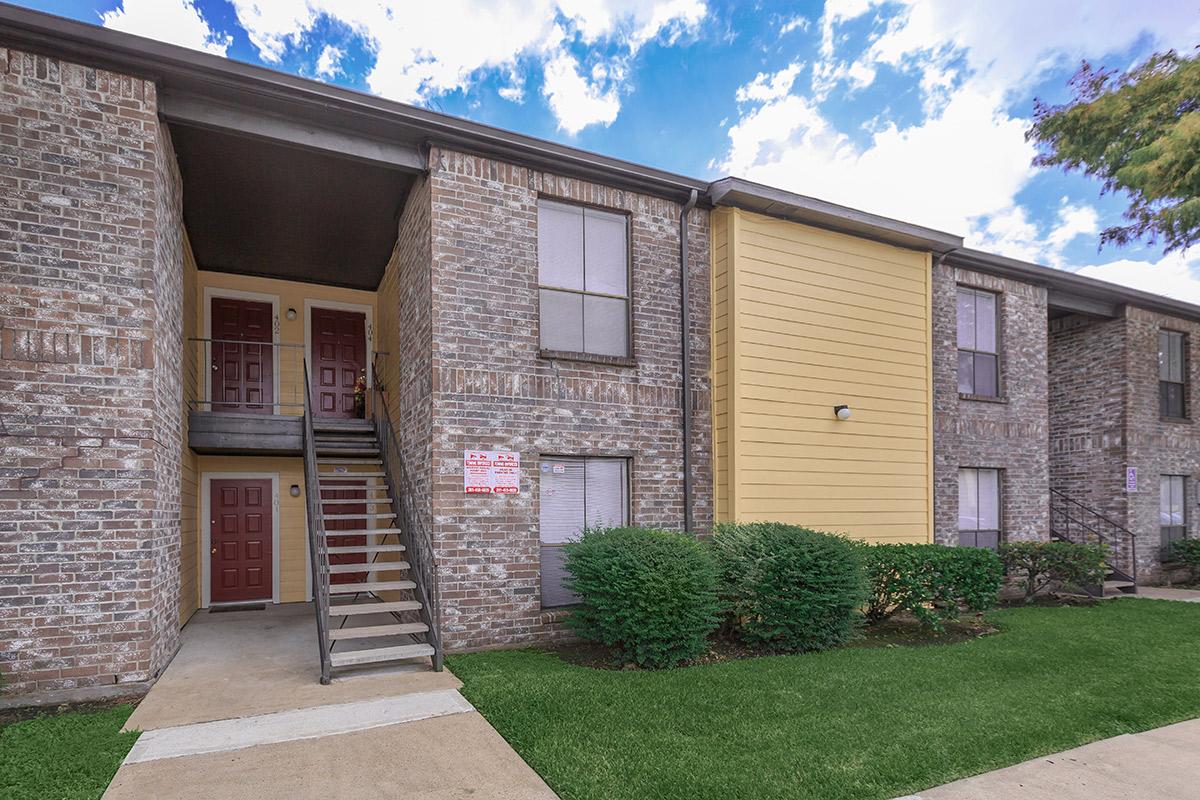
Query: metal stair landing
pixel 1073 521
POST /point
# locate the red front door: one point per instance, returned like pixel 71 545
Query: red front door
pixel 344 525
pixel 339 352
pixel 243 369
pixel 240 539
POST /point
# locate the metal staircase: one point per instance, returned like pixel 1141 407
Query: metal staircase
pixel 1072 521
pixel 372 604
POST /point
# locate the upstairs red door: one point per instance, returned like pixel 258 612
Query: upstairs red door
pixel 240 539
pixel 345 491
pixel 243 369
pixel 339 353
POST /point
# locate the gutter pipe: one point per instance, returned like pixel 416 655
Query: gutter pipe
pixel 685 334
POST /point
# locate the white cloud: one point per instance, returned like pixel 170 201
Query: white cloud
pixel 1174 275
pixel 797 22
pixel 961 167
pixel 174 21
pixel 329 63
pixel 424 50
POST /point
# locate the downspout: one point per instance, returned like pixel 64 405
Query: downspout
pixel 685 335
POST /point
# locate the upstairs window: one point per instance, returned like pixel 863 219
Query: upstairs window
pixel 1172 511
pixel 978 363
pixel 1171 374
pixel 583 279
pixel 979 508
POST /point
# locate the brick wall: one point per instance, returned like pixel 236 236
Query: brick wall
pixel 491 390
pixel 1011 434
pixel 89 475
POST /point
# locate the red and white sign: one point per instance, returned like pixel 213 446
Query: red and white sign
pixel 491 472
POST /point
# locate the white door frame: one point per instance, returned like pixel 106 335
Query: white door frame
pixel 206 529
pixel 368 313
pixel 237 294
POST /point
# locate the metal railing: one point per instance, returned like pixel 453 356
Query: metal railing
pixel 261 377
pixel 1072 521
pixel 414 534
pixel 317 546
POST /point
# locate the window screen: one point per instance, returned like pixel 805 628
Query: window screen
pixel 1172 510
pixel 583 279
pixel 979 508
pixel 577 493
pixel 1171 374
pixel 978 363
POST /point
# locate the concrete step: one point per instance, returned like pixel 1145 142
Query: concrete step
pixel 353 657
pixel 370 586
pixel 373 566
pixel 362 531
pixel 369 631
pixel 366 548
pixel 350 609
pixel 358 516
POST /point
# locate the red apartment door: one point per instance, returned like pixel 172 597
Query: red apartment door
pixel 243 369
pixel 240 540
pixel 344 492
pixel 339 353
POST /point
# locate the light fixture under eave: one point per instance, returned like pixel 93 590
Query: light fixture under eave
pixel 294 491
pixel 290 314
pixel 841 412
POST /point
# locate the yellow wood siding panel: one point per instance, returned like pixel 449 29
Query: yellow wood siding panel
pixel 815 319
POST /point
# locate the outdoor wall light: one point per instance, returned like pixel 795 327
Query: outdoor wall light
pixel 841 412
pixel 294 491
pixel 290 314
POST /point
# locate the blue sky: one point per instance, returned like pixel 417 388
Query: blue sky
pixel 915 110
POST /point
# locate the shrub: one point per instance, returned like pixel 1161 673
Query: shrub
pixel 1044 563
pixel 1187 552
pixel 650 595
pixel 789 588
pixel 929 580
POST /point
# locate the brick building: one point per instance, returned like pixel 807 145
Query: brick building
pixel 264 340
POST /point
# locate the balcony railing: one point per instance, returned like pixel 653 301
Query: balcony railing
pixel 234 376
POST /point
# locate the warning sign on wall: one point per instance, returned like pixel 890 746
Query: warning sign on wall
pixel 491 472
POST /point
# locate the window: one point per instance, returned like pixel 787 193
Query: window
pixel 1172 511
pixel 577 493
pixel 979 508
pixel 1170 374
pixel 583 279
pixel 978 364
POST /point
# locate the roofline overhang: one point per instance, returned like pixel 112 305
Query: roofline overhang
pixel 1070 291
pixel 194 77
pixel 750 196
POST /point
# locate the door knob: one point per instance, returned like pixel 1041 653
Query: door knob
pixel 214 551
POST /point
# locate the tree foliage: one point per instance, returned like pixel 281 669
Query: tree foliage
pixel 1139 132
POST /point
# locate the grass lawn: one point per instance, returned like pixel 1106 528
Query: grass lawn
pixel 65 757
pixel 847 723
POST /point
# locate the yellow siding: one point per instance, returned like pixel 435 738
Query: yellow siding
pixel 291 294
pixel 189 494
pixel 804 320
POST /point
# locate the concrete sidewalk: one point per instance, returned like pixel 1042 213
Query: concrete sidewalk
pixel 1156 764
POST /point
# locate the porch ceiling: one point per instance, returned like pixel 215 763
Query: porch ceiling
pixel 259 207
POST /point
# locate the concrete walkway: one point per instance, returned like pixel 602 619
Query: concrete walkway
pixel 1156 764
pixel 239 714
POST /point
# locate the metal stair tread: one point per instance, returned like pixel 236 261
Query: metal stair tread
pixel 372 631
pixel 349 461
pixel 363 531
pixel 363 501
pixel 365 548
pixel 371 586
pixel 354 657
pixel 346 476
pixel 357 516
pixel 387 607
pixel 376 566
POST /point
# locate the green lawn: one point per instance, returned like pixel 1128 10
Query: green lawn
pixel 849 723
pixel 67 757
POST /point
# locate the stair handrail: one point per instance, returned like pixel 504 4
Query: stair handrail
pixel 414 534
pixel 318 554
pixel 1130 536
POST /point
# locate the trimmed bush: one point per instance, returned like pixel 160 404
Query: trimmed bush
pixel 1187 552
pixel 650 595
pixel 929 580
pixel 1044 563
pixel 789 588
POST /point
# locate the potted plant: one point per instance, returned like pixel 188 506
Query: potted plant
pixel 360 394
